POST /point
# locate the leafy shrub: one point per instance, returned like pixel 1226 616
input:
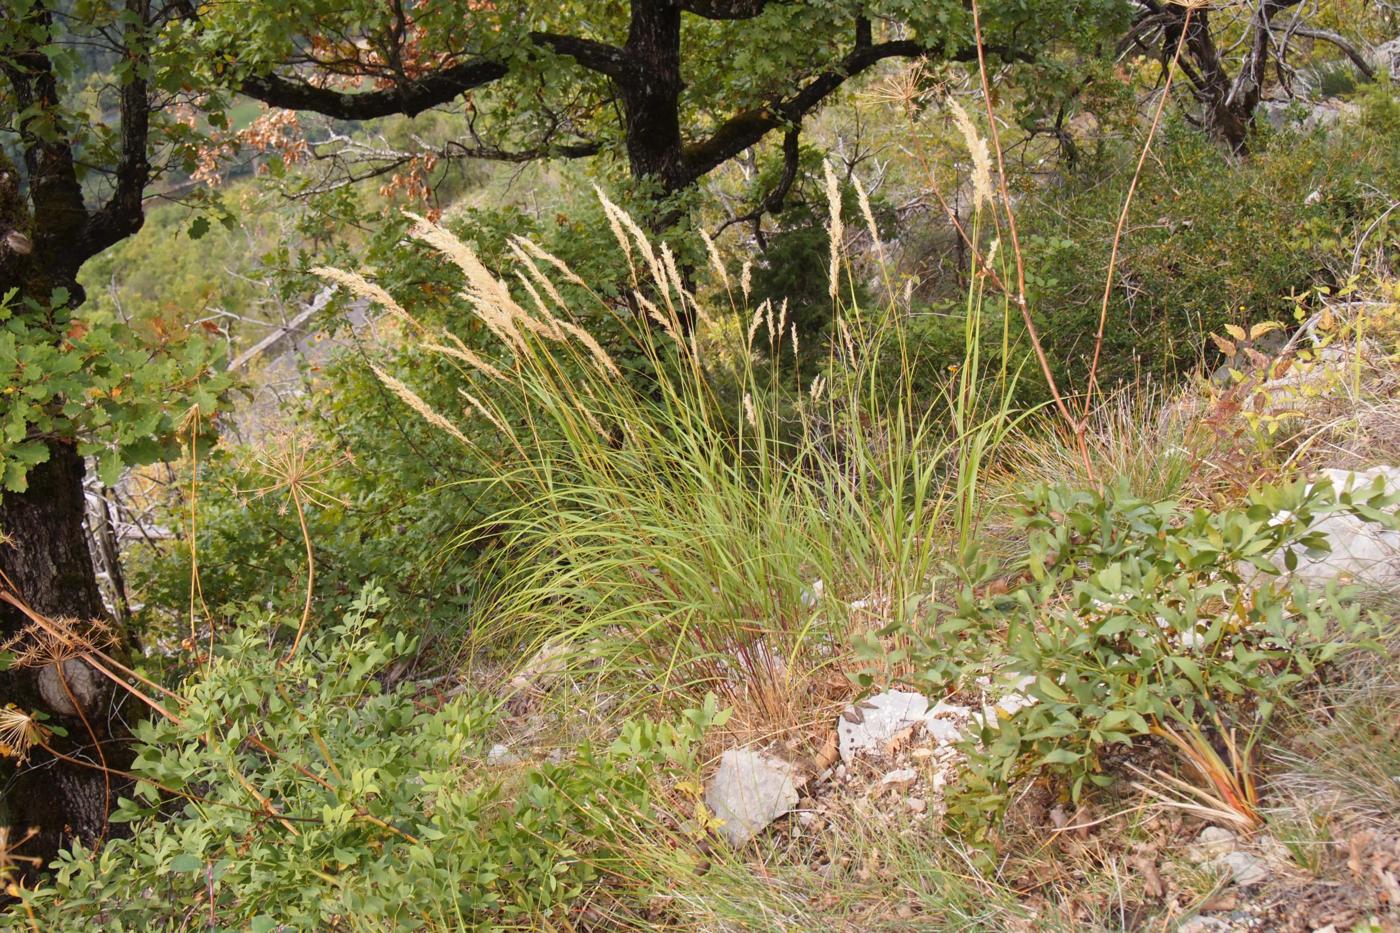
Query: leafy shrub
pixel 1211 240
pixel 1136 614
pixel 303 794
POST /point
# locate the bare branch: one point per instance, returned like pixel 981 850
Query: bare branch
pixel 1351 51
pixel 772 202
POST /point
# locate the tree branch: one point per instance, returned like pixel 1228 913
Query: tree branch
pixel 1351 52
pixel 725 9
pixel 772 202
pixel 123 214
pixel 411 99
pixel 745 129
pixel 432 90
pixel 595 56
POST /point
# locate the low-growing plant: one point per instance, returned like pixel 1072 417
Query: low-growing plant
pixel 303 793
pixel 1136 617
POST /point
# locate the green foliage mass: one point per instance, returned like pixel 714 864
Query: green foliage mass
pixel 122 399
pixel 1211 240
pixel 1138 614
pixel 307 794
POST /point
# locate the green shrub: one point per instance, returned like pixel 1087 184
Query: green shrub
pixel 1137 614
pixel 303 794
pixel 1211 240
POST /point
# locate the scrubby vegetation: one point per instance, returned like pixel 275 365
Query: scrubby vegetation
pixel 972 507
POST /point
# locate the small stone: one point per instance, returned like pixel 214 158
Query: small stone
pixel 901 777
pixel 917 804
pixel 942 731
pixel 871 724
pixel 1203 925
pixel 1218 849
pixel 501 755
pixel 749 791
pixel 1245 869
pixel 1212 843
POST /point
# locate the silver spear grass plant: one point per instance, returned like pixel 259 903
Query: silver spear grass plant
pixel 707 526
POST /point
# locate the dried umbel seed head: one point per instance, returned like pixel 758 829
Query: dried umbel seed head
pixel 53 641
pixel 19 731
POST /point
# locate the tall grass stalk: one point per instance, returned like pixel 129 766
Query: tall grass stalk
pixel 704 521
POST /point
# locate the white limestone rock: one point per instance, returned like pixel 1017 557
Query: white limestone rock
pixel 1363 552
pixel 749 791
pixel 944 723
pixel 868 725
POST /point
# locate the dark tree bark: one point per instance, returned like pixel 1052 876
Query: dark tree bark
pixel 651 91
pixel 52 800
pixel 46 560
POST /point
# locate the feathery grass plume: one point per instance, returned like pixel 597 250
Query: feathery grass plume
pixel 794 340
pixel 488 293
pixel 362 287
pixel 611 211
pixel 617 215
pixel 818 387
pixel 600 356
pixel 846 339
pixel 655 314
pixel 544 255
pixel 540 306
pixel 746 279
pixel 749 412
pixel 869 216
pixel 418 405
pixel 492 301
pixel 977 148
pixel 715 260
pixel 545 283
pixel 687 298
pixel 757 319
pixel 836 231
pixel 482 410
pixel 463 353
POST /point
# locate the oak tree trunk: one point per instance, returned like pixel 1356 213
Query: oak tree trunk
pixel 48 801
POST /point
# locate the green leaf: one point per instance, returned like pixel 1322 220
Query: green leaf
pixel 184 862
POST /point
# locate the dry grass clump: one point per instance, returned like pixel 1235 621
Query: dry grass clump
pixel 675 533
pixel 1141 434
pixel 1342 750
